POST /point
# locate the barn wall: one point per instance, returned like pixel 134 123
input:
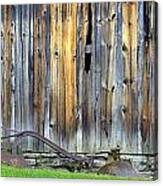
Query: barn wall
pixel 82 75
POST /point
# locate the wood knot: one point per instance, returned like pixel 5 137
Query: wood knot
pixel 56 53
pixel 124 109
pixel 124 47
pixel 12 35
pixel 100 21
pixel 113 16
pixel 112 89
pixel 109 47
pixel 51 125
pixel 125 81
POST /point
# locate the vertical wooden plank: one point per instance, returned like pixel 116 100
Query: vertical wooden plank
pixel 89 70
pixel 20 50
pixel 66 53
pixel 66 105
pixel 154 77
pixel 17 81
pixel 104 68
pixel 117 121
pixel 35 73
pixel 30 71
pixel 25 70
pixel 7 65
pixel 82 82
pixel 42 68
pixel 108 35
pixel 151 79
pixel 140 69
pixel 149 121
pixel 69 35
pixel 74 60
pixel 145 130
pixel 54 125
pixel 133 80
pixel 97 73
pixel 47 74
pixel 127 97
pixel 61 98
pixel 88 129
pixel 79 78
pixel 93 68
pixel 13 68
pixel 40 77
pixel 86 78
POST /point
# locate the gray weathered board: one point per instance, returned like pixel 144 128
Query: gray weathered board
pixel 83 75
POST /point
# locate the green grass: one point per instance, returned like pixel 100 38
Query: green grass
pixel 8 171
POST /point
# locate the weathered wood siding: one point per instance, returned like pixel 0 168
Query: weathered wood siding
pixel 83 75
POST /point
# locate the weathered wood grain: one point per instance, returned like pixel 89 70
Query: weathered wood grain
pixel 47 74
pixel 140 60
pixel 13 70
pixel 82 74
pixel 117 82
pixel 54 128
pixel 7 64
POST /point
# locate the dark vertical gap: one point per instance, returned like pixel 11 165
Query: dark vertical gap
pixel 88 40
pixel 20 72
pixel 156 75
pixel 87 62
pixel 146 66
pixel 146 23
pixel 33 75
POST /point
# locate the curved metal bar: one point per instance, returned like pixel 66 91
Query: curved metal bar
pixel 51 144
